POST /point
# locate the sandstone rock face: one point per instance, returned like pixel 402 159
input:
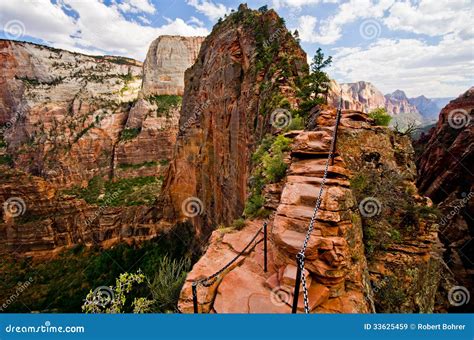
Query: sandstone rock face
pixel 364 96
pixel 446 176
pixel 38 221
pixel 167 59
pixel 68 109
pixel 68 117
pixel 342 277
pixel 228 100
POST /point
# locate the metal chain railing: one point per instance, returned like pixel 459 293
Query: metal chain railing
pixel 300 257
pixel 210 280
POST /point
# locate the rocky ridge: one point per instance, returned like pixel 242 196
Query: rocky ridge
pixel 364 96
pixel 71 120
pixel 341 277
pixel 445 175
pixel 246 68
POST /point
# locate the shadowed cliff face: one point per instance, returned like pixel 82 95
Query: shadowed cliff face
pixel 445 173
pixel 246 68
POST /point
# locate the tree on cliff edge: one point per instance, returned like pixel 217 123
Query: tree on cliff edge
pixel 315 86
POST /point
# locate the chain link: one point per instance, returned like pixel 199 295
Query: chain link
pixel 210 280
pixel 301 255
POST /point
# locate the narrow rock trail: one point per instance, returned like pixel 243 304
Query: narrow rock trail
pixel 335 263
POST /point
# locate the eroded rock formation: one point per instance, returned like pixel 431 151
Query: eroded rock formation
pixel 246 68
pixel 342 277
pixel 67 119
pixel 167 59
pixel 445 169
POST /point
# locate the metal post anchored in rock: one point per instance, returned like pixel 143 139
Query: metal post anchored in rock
pixel 297 284
pixel 265 256
pixel 195 299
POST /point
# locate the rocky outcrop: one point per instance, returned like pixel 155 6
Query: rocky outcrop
pixel 68 117
pixel 427 107
pixel 341 275
pixel 246 68
pixel 364 96
pixel 167 59
pixel 39 221
pixel 445 175
pixel 63 112
pixel 361 96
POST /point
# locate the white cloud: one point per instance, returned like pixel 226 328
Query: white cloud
pixel 328 33
pixel 432 17
pixel 97 28
pixel 444 69
pixel 299 3
pixel 210 9
pixel 136 6
pixel 330 29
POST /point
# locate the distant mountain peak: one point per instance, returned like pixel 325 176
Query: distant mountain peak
pixel 398 94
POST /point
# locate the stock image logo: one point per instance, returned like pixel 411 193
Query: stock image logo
pixel 459 118
pixel 102 296
pixel 14 206
pixel 280 118
pixel 192 207
pixel 459 296
pixel 370 207
pixel 281 296
pixel 370 29
pixel 14 29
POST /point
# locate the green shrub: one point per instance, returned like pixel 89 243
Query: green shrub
pixel 6 160
pixel 123 192
pixel 128 134
pixel 167 283
pixel 238 224
pixel 254 205
pixel 269 167
pixel 274 167
pixel 297 123
pixel 138 165
pixel 380 116
pixel 165 102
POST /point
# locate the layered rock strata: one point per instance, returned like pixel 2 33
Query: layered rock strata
pixel 341 276
pixel 445 174
pixel 246 68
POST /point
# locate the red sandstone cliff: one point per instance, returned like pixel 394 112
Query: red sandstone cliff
pixel 445 173
pixel 246 68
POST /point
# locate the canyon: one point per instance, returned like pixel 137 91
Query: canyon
pixel 103 151
pixel 364 96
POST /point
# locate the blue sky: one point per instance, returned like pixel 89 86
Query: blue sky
pixel 420 46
